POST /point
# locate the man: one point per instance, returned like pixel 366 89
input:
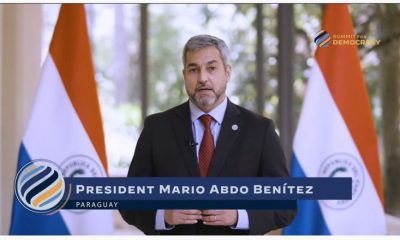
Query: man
pixel 208 136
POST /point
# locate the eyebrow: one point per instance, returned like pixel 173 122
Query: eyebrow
pixel 208 63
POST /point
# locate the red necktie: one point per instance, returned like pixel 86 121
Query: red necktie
pixel 207 146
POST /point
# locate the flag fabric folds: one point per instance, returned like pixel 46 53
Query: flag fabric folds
pixel 65 127
pixel 336 137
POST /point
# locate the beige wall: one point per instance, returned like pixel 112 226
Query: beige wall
pixel 20 41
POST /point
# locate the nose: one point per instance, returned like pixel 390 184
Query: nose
pixel 203 76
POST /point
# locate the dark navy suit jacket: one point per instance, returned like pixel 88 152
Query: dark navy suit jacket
pixel 253 150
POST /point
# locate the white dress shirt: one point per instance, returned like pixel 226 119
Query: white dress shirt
pixel 217 114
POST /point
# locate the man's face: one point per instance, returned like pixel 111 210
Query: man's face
pixel 206 77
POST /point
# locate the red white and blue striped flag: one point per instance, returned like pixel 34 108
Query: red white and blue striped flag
pixel 65 127
pixel 336 137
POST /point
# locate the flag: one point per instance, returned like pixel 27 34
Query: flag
pixel 336 137
pixel 65 127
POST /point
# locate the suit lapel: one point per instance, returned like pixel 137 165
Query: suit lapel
pixel 184 136
pixel 230 130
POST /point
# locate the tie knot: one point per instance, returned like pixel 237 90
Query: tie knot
pixel 206 120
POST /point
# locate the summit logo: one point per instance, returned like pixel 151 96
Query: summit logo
pixel 40 187
pixel 323 39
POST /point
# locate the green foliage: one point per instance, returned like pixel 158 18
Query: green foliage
pixel 307 19
pixel 165 78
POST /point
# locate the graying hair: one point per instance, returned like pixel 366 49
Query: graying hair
pixel 202 41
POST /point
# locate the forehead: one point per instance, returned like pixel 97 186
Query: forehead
pixel 203 56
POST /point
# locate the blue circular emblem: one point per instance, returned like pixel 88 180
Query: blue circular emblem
pixel 40 187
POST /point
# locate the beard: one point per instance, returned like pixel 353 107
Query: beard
pixel 206 101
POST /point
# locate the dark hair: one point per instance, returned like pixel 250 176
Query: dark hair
pixel 202 41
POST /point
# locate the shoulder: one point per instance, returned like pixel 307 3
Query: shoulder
pixel 165 116
pixel 252 117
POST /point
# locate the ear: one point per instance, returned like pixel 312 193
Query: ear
pixel 228 72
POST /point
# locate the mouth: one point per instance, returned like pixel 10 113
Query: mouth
pixel 204 89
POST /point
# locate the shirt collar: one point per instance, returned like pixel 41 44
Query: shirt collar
pixel 217 113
